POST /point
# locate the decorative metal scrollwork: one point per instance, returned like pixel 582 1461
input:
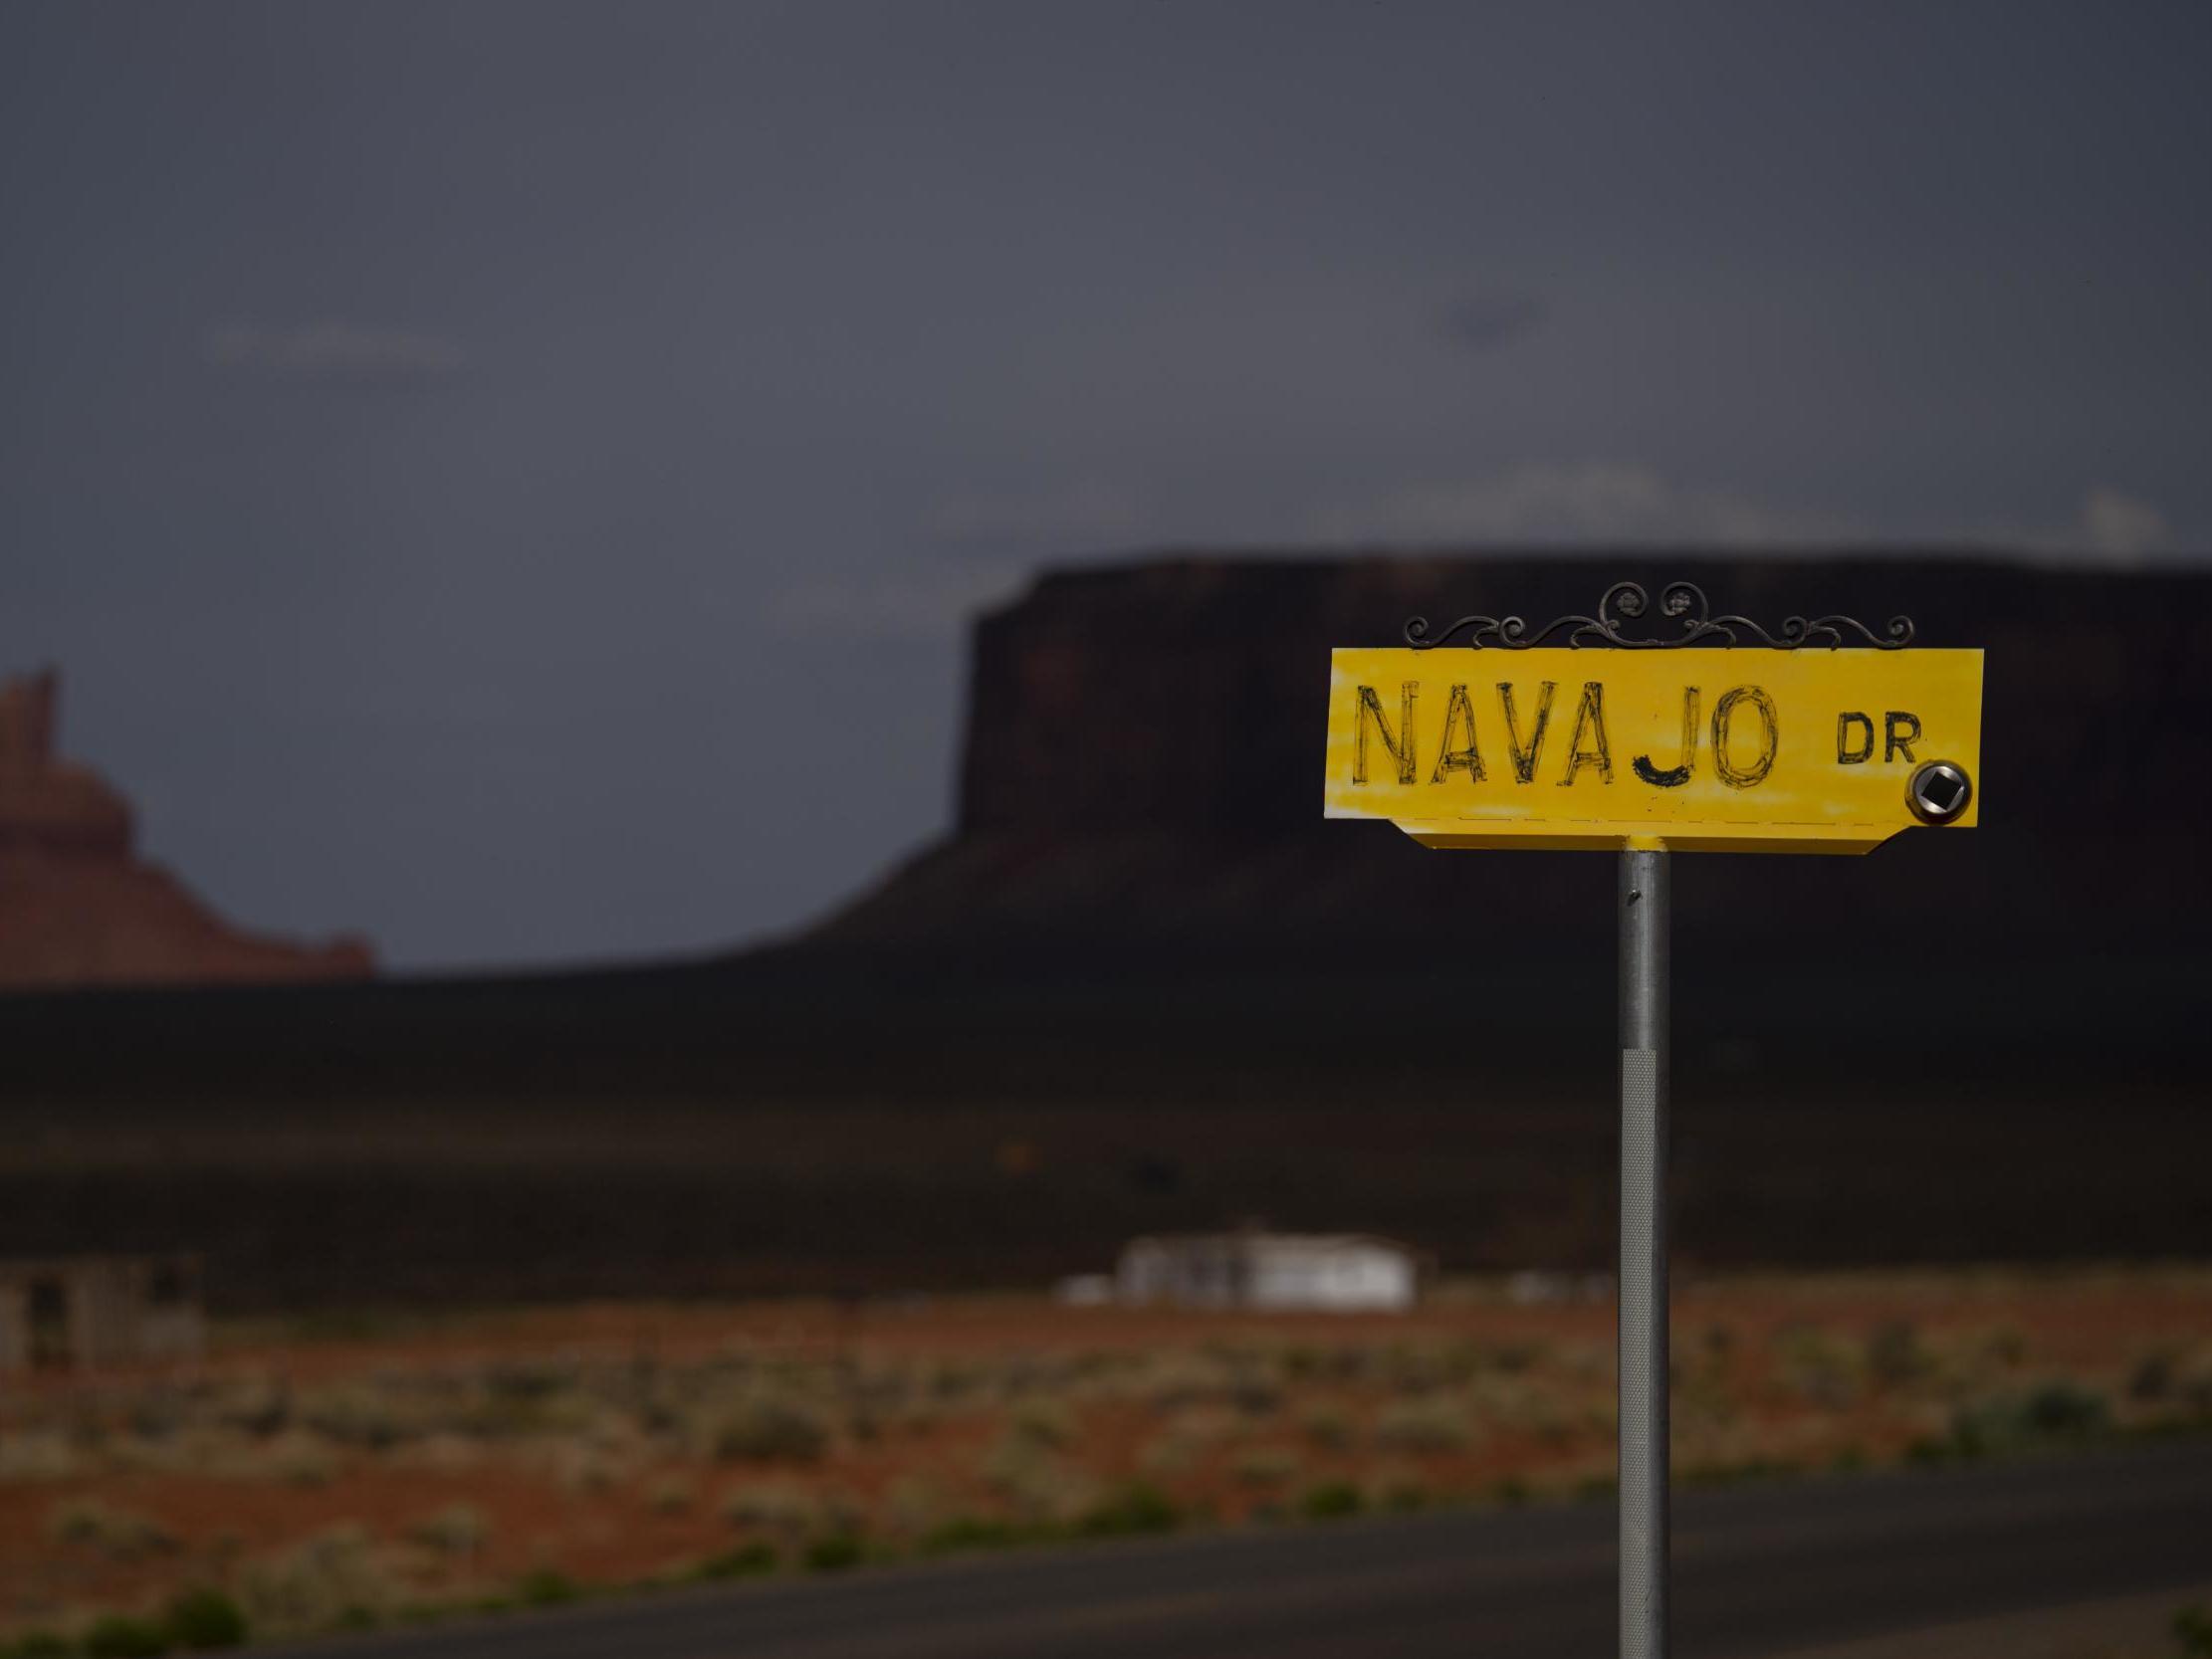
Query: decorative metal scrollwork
pixel 1683 601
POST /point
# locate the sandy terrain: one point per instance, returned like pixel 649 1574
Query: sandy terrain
pixel 344 1476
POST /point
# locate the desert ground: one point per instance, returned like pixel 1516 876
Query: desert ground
pixel 341 1473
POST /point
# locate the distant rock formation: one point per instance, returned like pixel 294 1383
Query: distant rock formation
pixel 1142 988
pixel 79 908
pixel 1143 770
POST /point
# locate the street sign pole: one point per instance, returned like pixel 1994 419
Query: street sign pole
pixel 1821 736
pixel 1645 880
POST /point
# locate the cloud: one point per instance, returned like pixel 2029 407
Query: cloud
pixel 1486 321
pixel 933 600
pixel 1606 501
pixel 2120 526
pixel 2109 526
pixel 1088 510
pixel 1580 502
pixel 330 353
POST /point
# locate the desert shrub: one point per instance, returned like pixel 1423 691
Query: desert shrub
pixel 672 1494
pixel 205 1619
pixel 573 1411
pixel 1419 1369
pixel 507 1402
pixel 1219 1375
pixel 446 1452
pixel 1894 1355
pixel 1738 1472
pixel 910 1506
pixel 297 1459
pixel 1266 1465
pixel 1822 1368
pixel 352 1414
pixel 585 1468
pixel 1931 1450
pixel 1255 1393
pixel 1174 1379
pixel 1257 1397
pixel 966 1533
pixel 2153 1379
pixel 2195 1382
pixel 1328 1427
pixel 1250 1377
pixel 748 1560
pixel 547 1586
pixel 780 1507
pixel 2066 1412
pixel 521 1380
pixel 953 1380
pixel 1402 1495
pixel 330 1580
pixel 456 1529
pixel 37 1455
pixel 2192 1631
pixel 1345 1363
pixel 1331 1501
pixel 120 1534
pixel 2174 1377
pixel 1044 1423
pixel 1425 1425
pixel 157 1412
pixel 117 1636
pixel 767 1429
pixel 834 1552
pixel 1039 1485
pixel 1526 1403
pixel 1135 1509
pixel 254 1405
pixel 1516 1357
pixel 2053 1413
pixel 1187 1439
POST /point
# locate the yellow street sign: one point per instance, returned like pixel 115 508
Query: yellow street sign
pixel 1805 750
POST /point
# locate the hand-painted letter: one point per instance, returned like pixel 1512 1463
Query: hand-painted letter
pixel 1770 736
pixel 1590 717
pixel 1524 759
pixel 1401 746
pixel 1846 754
pixel 1468 759
pixel 1674 777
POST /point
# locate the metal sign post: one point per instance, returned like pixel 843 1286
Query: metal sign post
pixel 1821 736
pixel 1642 1384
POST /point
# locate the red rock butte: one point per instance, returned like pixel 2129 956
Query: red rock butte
pixel 77 907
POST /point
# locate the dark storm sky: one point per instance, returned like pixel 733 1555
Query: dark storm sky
pixel 509 477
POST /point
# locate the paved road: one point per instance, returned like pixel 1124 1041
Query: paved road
pixel 1756 1571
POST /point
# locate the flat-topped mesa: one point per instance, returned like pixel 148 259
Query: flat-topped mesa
pixel 1144 757
pixel 79 908
pixel 47 804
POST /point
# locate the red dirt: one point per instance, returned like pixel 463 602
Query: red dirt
pixel 1736 1393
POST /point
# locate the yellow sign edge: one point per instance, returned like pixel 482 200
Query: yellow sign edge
pixel 1600 838
pixel 1608 835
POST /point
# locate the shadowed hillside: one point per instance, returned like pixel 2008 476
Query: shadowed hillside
pixel 79 906
pixel 1143 769
pixel 1142 984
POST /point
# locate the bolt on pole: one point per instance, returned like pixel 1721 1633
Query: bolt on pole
pixel 1643 1283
